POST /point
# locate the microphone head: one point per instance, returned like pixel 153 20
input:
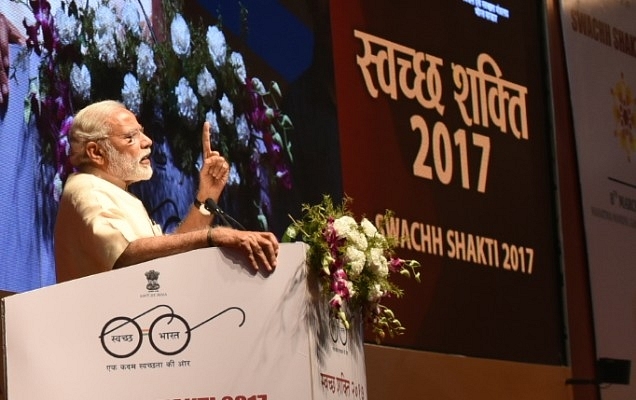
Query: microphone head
pixel 211 205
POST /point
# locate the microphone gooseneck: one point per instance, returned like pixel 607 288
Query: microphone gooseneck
pixel 211 206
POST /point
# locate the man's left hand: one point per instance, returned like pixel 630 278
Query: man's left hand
pixel 215 170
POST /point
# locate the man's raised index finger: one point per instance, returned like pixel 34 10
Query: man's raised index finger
pixel 205 140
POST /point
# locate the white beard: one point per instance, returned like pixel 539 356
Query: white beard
pixel 125 167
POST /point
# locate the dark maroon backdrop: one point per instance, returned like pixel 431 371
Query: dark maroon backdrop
pixel 461 306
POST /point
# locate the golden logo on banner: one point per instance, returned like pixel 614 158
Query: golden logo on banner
pixel 624 116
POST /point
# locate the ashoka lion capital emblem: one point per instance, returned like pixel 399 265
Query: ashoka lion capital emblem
pixel 152 276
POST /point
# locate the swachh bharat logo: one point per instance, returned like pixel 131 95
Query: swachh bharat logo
pixel 169 333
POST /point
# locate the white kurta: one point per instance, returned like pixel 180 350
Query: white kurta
pixel 95 223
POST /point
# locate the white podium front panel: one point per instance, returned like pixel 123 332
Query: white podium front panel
pixel 200 325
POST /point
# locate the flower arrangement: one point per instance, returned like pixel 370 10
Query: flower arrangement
pixel 355 262
pixel 176 74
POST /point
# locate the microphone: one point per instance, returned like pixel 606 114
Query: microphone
pixel 212 207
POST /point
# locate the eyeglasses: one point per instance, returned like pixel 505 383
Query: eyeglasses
pixel 169 333
pixel 132 136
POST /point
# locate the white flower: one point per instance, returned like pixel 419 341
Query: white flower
pixel 205 83
pixel 227 109
pixel 368 228
pixel 67 27
pixel 186 100
pixel 81 81
pixel 83 48
pixel 130 93
pixel 130 19
pixel 104 20
pixel 236 60
pixel 347 228
pixel 242 130
pixel 356 260
pixel 258 143
pixel 234 179
pixel 107 48
pixel 375 292
pixel 258 86
pixel 215 131
pixel 216 45
pixel 58 185
pixel 180 35
pixel 357 239
pixel 146 66
pixel 378 262
pixel 344 225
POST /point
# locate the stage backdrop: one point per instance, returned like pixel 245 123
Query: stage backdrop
pixel 599 45
pixel 444 119
pixel 457 145
pixel 275 42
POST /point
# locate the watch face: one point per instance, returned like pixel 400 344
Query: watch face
pixel 203 210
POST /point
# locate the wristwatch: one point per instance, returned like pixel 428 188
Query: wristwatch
pixel 201 207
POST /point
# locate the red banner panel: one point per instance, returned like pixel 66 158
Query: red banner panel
pixel 444 119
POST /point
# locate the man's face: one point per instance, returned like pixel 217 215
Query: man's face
pixel 128 150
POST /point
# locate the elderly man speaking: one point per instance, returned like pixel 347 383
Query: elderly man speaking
pixel 101 226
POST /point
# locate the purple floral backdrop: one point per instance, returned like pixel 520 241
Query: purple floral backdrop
pixel 173 80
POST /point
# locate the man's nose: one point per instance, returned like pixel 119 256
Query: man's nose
pixel 145 140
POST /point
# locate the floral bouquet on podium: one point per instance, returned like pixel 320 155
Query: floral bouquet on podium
pixel 355 262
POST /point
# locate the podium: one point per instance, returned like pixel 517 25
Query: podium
pixel 199 325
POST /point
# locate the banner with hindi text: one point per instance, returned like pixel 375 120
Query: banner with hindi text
pixel 444 119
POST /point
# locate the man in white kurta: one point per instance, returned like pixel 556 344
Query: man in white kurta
pixel 103 218
pixel 101 226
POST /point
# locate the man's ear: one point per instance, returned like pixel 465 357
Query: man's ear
pixel 95 153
